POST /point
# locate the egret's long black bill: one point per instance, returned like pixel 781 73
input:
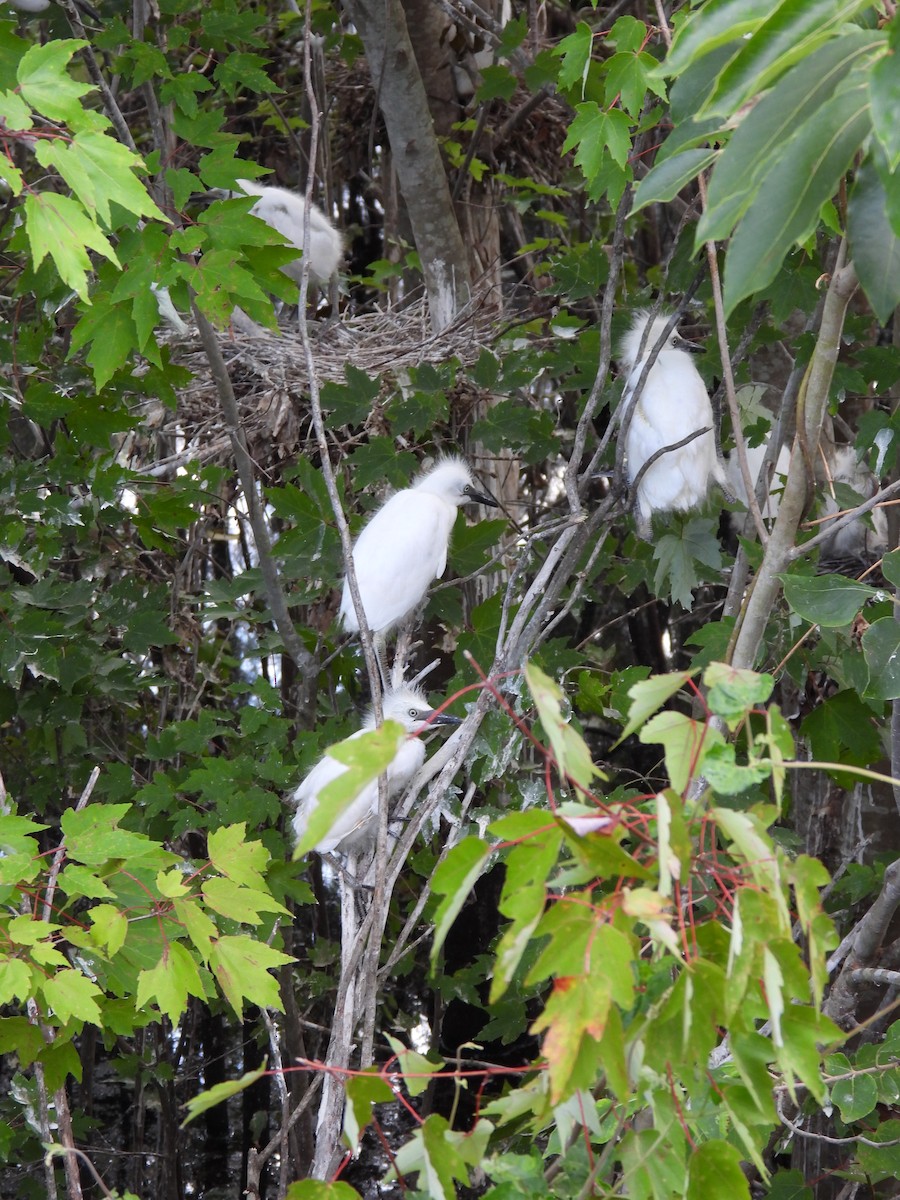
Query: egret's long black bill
pixel 444 719
pixel 481 498
pixel 691 347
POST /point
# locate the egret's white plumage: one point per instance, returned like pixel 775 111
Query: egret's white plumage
pixel 856 541
pixel 404 546
pixel 167 309
pixel 672 404
pixel 357 825
pixel 31 8
pixel 286 211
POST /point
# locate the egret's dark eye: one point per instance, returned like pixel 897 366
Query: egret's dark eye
pixel 414 712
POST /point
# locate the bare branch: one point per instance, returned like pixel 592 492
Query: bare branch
pixel 274 592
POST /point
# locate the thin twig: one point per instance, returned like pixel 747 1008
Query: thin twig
pixel 274 592
pixel 859 1139
pixel 833 524
pixel 87 53
pixel 284 1157
pixel 728 377
pixel 60 853
pixel 400 945
pixel 575 485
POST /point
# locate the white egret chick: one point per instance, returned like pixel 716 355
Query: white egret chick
pixel 357 825
pixel 404 546
pixel 286 212
pixel 673 403
pixel 858 541
pixel 32 7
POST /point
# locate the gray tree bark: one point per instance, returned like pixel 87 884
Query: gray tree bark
pixel 417 159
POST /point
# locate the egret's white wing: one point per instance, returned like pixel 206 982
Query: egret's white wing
pixel 355 824
pixel 397 555
pixel 306 797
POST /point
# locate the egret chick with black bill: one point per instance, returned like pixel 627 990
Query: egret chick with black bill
pixel 672 404
pixel 357 826
pixel 404 546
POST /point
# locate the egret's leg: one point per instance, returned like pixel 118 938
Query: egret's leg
pixel 335 862
pixel 402 652
pixel 379 645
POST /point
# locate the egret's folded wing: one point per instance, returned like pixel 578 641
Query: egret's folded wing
pixel 399 553
pixel 306 795
pixel 352 820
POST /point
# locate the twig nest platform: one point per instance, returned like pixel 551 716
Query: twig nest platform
pixel 269 374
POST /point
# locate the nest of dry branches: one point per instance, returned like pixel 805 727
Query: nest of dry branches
pixel 270 377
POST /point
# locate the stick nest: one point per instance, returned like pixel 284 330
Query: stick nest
pixel 270 378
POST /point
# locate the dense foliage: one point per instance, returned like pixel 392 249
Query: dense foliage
pixel 630 932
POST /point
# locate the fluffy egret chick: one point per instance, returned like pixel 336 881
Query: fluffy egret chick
pixel 857 540
pixel 286 211
pixel 404 546
pixel 357 825
pixel 672 404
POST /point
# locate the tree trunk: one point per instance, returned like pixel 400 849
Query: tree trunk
pixel 416 155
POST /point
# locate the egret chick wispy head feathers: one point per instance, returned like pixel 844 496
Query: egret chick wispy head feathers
pixel 357 825
pixel 403 548
pixel 285 212
pixel 672 404
pixel 630 346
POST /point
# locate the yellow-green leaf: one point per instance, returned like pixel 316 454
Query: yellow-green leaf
pixel 59 226
pixel 170 982
pixel 242 965
pixel 100 170
pixel 44 81
pixel 569 749
pixel 219 1092
pixel 238 857
pixel 240 903
pixel 71 995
